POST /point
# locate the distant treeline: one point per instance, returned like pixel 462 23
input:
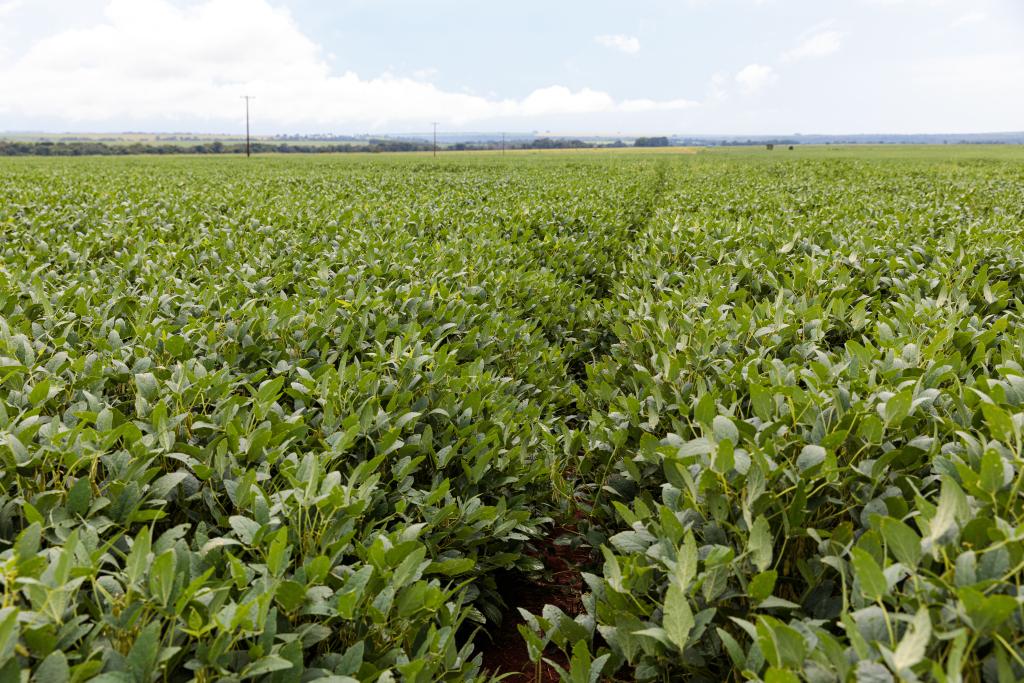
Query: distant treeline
pixel 16 148
pixel 651 142
pixel 65 149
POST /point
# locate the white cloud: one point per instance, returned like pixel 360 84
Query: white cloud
pixel 152 60
pixel 820 44
pixel 628 44
pixel 10 6
pixel 969 18
pixel 645 105
pixel 756 77
pixel 558 99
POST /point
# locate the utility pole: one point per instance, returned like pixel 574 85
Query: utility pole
pixel 435 138
pixel 503 143
pixel 247 145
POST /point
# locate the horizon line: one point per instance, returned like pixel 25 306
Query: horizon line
pixel 507 133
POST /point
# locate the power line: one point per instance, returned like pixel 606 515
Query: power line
pixel 247 145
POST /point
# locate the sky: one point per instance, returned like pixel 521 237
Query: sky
pixel 559 66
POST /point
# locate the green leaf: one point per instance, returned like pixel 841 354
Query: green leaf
pixel 678 617
pixel 278 554
pixel 147 385
pixel 452 567
pixel 406 419
pixel 79 496
pixel 705 410
pixel 686 561
pixel 632 541
pixel 175 345
pixel 723 428
pixel 869 575
pixel 725 458
pixel 898 407
pixel 18 450
pixel 777 675
pixel 27 544
pixel 266 665
pixel 351 660
pixel 410 569
pixel 8 633
pixel 245 529
pixel 736 653
pixel 809 457
pixel 951 509
pixel 992 472
pixel 352 592
pixel 161 577
pixel 137 564
pixel 53 669
pixel 656 633
pixel 782 645
pixel 105 420
pixel 763 402
pixel 914 645
pixel 40 392
pixel 762 585
pixel 1000 425
pixel 902 541
pixel 113 677
pixel 32 514
pixel 872 672
pixel 534 644
pixel 165 484
pixel 142 657
pixel 759 545
pixel 986 613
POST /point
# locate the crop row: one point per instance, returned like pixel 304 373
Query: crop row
pixel 308 419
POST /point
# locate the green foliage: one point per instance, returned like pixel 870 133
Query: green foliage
pixel 807 427
pixel 295 419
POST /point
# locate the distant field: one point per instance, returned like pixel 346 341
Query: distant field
pixel 994 153
pixel 711 414
pixel 893 151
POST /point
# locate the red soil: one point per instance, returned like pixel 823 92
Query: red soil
pixel 561 586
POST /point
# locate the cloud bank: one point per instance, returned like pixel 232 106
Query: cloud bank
pixel 151 60
pixel 756 77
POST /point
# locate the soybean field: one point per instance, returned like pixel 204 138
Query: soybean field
pixel 697 415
